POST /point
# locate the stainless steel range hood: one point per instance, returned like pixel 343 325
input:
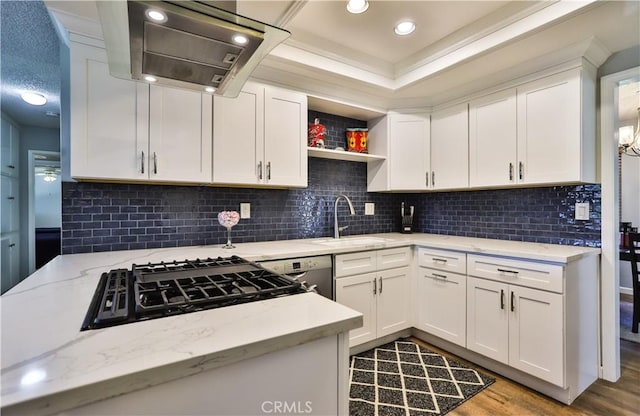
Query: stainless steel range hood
pixel 193 46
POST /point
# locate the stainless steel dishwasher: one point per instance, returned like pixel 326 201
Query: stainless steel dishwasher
pixel 316 270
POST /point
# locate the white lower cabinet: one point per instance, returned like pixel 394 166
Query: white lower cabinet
pixel 517 326
pixel 441 295
pixel 380 295
pixel 9 261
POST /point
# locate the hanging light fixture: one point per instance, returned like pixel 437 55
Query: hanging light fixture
pixel 629 143
pixel 49 177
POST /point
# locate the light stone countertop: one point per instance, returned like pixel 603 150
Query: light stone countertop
pixel 41 319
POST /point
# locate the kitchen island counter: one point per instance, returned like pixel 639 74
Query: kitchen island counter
pixel 49 365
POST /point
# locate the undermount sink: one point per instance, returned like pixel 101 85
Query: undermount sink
pixel 354 241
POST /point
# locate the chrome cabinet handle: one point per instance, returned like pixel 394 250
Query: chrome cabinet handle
pixel 268 171
pixel 508 271
pixel 380 291
pixel 142 160
pixel 155 163
pixel 513 307
pixel 12 245
pixel 11 166
pixel 510 171
pixel 441 276
pixel 502 299
pixel 11 198
pixel 375 286
pixel 520 170
pixel 438 260
pixel 433 178
pixel 427 179
pixel 260 170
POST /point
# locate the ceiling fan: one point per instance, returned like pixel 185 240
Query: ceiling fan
pixel 50 173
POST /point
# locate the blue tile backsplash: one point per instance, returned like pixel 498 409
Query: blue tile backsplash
pixel 109 216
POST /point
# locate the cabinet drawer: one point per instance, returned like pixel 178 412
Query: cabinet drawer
pixel 445 260
pixel 393 257
pixel 519 272
pixel 355 263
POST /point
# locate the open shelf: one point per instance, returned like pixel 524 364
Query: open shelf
pixel 342 155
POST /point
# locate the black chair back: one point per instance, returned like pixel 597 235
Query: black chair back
pixel 634 248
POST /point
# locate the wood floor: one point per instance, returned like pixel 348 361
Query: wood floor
pixel 506 397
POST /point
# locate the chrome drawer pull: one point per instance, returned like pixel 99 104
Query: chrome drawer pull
pixel 441 276
pixel 508 271
pixel 438 260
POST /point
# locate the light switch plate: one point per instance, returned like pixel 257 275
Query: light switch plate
pixel 369 208
pixel 582 210
pixel 245 210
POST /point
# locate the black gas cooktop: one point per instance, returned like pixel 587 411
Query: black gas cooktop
pixel 156 290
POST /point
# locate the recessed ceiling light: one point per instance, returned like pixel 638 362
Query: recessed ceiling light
pixel 405 27
pixel 210 89
pixel 156 15
pixel 33 98
pixel 150 78
pixel 240 39
pixel 357 6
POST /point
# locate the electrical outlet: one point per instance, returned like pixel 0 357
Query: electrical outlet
pixel 369 208
pixel 582 210
pixel 245 210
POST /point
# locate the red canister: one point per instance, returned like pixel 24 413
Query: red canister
pixel 357 140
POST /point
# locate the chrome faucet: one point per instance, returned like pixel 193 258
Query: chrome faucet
pixel 336 229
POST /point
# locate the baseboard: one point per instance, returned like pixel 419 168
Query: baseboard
pixel 626 291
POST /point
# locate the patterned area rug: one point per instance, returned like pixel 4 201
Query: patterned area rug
pixel 402 378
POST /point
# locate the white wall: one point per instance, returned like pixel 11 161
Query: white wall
pixel 48 203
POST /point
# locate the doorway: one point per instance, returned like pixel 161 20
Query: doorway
pixel 610 267
pixel 44 207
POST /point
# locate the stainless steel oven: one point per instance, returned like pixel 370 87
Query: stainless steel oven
pixel 315 271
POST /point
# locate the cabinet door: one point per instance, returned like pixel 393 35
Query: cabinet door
pixel 9 258
pixel 179 135
pixel 492 139
pixel 10 142
pixel 238 137
pixel 450 148
pixel 357 292
pixel 394 309
pixel 442 305
pixel 355 263
pixel 285 138
pixel 536 334
pixel 549 129
pixel 487 318
pixel 108 135
pixel 409 147
pixel 9 204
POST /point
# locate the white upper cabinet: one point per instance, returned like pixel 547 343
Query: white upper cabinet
pixel 492 140
pixel 405 141
pixel 105 135
pixel 10 141
pixel 259 138
pixel 450 148
pixel 122 130
pixel 285 137
pixel 179 135
pixel 556 129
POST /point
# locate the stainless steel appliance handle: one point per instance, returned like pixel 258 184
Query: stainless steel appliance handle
pixel 155 163
pixel 142 162
pixel 296 276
